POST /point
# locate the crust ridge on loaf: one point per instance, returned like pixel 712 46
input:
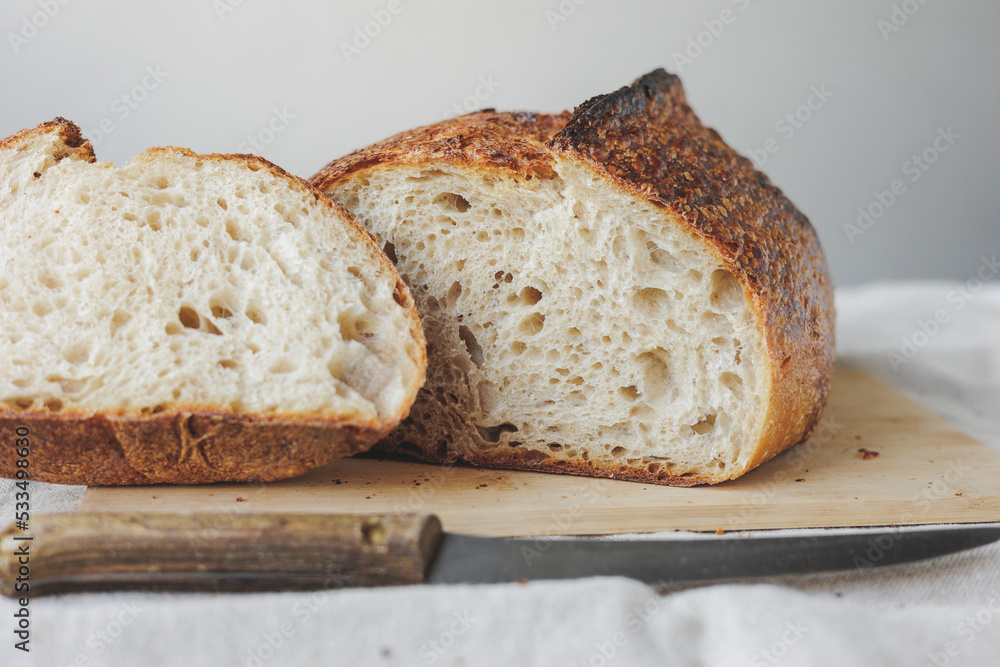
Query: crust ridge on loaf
pixel 190 318
pixel 691 301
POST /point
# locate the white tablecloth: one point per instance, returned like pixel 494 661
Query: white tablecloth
pixel 945 612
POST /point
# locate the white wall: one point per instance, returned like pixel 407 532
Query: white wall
pixel 227 71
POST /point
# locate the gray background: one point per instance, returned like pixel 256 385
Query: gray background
pixel 229 64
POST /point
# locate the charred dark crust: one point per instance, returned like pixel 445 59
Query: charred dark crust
pixel 67 132
pixel 648 139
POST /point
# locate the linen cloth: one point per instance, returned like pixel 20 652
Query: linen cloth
pixel 943 612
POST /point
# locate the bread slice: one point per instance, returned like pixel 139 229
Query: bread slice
pixel 614 292
pixel 189 318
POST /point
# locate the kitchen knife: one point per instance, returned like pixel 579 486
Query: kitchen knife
pixel 252 552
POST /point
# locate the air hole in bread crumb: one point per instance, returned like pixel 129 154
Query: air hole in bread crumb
pixel 530 296
pixel 50 281
pixel 732 382
pixel 517 347
pixel 353 327
pixel 517 234
pixel 256 316
pixel 390 251
pixel 618 452
pixel 82 197
pixel 220 309
pixel 493 433
pixel 705 425
pixel 630 392
pixel 53 405
pixel 233 229
pixel 654 368
pixel 283 365
pixel 222 203
pixel 227 363
pixel 153 220
pixel 42 308
pixel 472 346
pixel 726 294
pixel 20 402
pixel 189 318
pixel 532 324
pixel 454 292
pixel 650 301
pixel 489 396
pixel 663 259
pixel 77 353
pixel 399 295
pixel 450 201
pixel 68 385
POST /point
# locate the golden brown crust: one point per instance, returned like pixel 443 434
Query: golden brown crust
pixel 67 131
pixel 513 142
pixel 648 141
pixel 647 138
pixel 193 444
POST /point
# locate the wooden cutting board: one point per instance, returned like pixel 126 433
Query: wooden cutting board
pixel 877 458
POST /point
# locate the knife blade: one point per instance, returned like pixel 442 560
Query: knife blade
pixel 258 552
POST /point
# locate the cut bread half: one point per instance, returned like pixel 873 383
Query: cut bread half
pixel 189 318
pixel 614 292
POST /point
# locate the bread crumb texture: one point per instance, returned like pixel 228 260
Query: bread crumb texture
pixel 577 322
pixel 203 287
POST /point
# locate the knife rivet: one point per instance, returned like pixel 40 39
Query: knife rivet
pixel 373 533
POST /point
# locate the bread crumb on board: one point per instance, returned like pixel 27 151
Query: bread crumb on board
pixel 867 454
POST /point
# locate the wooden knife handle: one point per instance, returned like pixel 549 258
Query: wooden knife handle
pixel 218 552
